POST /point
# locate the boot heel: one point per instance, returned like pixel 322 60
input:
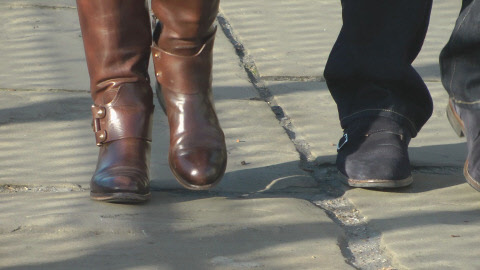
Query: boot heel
pixel 455 121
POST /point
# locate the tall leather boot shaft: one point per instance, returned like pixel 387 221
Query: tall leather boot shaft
pixel 117 39
pixel 183 67
pixel 186 24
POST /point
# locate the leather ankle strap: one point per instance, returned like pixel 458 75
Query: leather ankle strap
pixel 111 123
pixel 128 115
pixel 184 74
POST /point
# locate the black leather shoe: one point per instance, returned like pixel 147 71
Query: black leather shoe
pixel 373 154
pixel 466 122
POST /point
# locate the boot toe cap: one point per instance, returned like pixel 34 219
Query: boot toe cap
pixel 199 168
pixel 120 180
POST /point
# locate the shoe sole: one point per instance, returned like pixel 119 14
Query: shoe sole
pixel 375 183
pixel 472 182
pixel 127 198
pixel 454 120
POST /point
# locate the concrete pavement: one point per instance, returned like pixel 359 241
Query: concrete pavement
pixel 280 205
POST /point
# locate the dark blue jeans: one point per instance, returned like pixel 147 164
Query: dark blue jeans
pixel 369 71
pixel 460 59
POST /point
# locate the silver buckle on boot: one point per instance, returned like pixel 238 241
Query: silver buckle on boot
pixel 99 112
pixel 342 141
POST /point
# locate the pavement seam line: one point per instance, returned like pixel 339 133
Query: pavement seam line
pixel 40 6
pixel 354 254
pixel 14 188
pixel 43 90
pixel 250 67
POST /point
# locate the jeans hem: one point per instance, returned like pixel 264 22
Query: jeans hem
pixel 395 116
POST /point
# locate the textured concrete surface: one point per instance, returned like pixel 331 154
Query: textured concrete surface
pixel 174 231
pixel 294 38
pixel 432 225
pixel 41 46
pixel 286 38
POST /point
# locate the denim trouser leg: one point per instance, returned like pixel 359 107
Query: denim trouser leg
pixel 460 59
pixel 369 71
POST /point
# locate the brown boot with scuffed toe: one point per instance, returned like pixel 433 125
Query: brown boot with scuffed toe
pixel 117 39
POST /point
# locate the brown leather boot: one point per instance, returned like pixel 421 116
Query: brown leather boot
pixel 182 54
pixel 117 39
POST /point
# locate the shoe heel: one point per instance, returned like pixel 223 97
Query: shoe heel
pixel 455 121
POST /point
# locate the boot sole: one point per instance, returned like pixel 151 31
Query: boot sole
pixel 128 198
pixel 375 183
pixel 454 120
